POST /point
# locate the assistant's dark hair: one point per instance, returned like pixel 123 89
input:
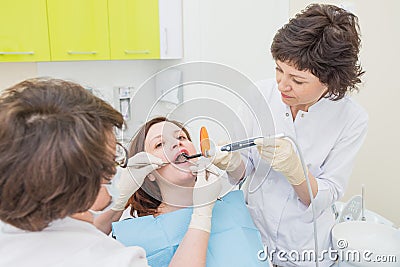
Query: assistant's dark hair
pixel 147 199
pixel 325 40
pixel 56 147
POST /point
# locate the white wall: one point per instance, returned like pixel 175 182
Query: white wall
pixel 235 33
pixel 12 73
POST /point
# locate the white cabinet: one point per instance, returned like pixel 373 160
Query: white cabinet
pixel 170 20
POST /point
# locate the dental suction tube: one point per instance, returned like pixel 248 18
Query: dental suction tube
pixel 311 198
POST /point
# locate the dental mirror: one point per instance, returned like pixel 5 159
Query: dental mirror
pixel 204 147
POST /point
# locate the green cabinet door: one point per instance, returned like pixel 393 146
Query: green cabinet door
pixel 23 31
pixel 134 29
pixel 78 29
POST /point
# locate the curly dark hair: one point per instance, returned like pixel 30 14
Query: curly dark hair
pixel 55 151
pixel 325 40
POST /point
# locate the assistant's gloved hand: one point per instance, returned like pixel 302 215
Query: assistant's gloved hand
pixel 280 154
pixel 228 161
pixel 132 177
pixel 205 193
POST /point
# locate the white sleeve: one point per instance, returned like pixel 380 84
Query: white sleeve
pixel 337 167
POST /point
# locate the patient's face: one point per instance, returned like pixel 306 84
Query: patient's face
pixel 166 141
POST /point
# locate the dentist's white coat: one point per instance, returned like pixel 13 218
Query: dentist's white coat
pixel 65 243
pixel 329 135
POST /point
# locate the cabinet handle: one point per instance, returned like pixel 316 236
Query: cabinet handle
pixel 17 53
pixel 82 52
pixel 166 41
pixel 137 51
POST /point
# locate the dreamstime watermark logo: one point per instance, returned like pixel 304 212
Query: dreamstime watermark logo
pixel 341 254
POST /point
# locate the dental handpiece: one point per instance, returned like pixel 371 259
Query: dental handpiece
pixel 232 146
pixel 246 143
pixel 239 144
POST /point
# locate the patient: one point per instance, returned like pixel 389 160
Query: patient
pixel 162 204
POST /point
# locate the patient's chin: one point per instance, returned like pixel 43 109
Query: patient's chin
pixel 180 178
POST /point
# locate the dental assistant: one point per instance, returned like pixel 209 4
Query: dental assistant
pixel 316 55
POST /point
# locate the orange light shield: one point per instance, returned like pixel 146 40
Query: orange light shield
pixel 204 142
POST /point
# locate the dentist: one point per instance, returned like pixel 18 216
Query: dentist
pixel 316 56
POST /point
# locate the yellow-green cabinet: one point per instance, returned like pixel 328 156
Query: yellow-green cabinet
pixel 78 29
pixel 134 29
pixel 145 29
pixel 23 31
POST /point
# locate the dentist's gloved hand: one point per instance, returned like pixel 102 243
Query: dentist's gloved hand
pixel 132 177
pixel 280 154
pixel 205 193
pixel 228 161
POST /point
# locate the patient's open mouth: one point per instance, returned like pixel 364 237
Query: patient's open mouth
pixel 181 158
pixel 184 157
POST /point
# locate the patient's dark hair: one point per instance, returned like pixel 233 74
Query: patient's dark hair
pixel 325 40
pixel 56 147
pixel 148 198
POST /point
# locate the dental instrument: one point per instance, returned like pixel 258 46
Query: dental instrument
pixel 246 143
pixel 140 165
pixel 363 218
pixel 182 158
pixel 186 156
pixel 206 150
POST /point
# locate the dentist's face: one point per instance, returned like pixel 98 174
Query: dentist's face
pixel 298 88
pixel 167 141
